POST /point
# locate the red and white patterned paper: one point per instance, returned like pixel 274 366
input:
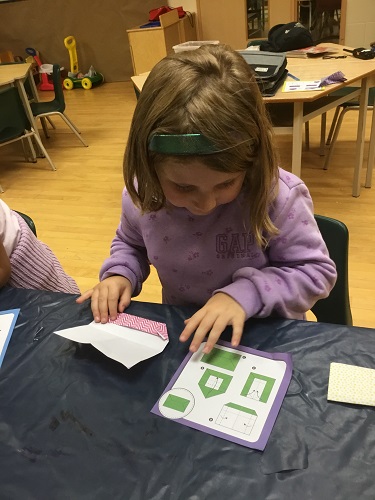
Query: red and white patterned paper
pixel 142 324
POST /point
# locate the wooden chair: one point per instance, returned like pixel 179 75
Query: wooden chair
pixel 6 56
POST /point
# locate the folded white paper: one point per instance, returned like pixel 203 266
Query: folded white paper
pixel 125 345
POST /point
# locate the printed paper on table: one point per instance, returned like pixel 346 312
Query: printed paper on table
pixel 231 393
pixel 302 86
pixel 7 322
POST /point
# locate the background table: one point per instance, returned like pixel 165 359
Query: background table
pixel 16 74
pixel 310 104
pixel 77 425
pixel 358 73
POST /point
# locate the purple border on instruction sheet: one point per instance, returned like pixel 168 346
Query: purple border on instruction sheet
pixel 15 312
pixel 260 444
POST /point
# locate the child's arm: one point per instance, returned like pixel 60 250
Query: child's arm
pixel 128 250
pixel 299 272
pixel 5 268
pixel 122 274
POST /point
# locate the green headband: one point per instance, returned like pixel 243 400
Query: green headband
pixel 182 144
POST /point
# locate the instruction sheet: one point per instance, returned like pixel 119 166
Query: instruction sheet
pixel 7 321
pixel 231 393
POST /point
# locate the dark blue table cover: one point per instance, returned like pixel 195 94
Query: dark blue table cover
pixel 75 424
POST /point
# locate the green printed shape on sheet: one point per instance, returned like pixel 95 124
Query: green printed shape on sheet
pixel 222 359
pixel 252 385
pixel 241 408
pixel 176 403
pixel 213 383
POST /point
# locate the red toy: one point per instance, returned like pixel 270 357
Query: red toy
pixel 45 83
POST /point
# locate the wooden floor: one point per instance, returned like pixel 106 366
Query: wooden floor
pixel 77 208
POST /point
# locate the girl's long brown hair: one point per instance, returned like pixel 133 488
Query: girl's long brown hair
pixel 212 91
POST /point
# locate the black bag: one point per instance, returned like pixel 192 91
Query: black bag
pixel 269 68
pixel 284 37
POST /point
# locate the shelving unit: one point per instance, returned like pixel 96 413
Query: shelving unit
pixel 148 45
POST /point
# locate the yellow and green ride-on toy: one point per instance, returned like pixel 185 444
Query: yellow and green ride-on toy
pixel 75 78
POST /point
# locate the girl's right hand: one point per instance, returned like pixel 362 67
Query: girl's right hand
pixel 108 298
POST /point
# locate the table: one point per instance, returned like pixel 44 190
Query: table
pixel 358 73
pixel 75 424
pixel 16 74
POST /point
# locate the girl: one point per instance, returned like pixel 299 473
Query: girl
pixel 26 262
pixel 205 203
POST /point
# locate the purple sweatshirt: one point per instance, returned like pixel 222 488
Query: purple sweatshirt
pixel 197 256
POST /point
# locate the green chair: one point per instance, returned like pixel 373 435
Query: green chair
pixel 55 107
pixel 15 125
pixel 339 116
pixel 29 221
pixel 336 307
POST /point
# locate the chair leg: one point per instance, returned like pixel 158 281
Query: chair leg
pixel 334 139
pixel 26 153
pixel 44 126
pixel 43 149
pixel 73 128
pixel 1 189
pixel 333 125
pixel 30 155
pixel 50 122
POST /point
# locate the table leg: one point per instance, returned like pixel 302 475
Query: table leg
pixel 363 98
pixel 371 151
pixel 323 128
pixel 297 138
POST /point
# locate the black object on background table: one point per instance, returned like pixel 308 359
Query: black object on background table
pixel 361 53
pixel 75 424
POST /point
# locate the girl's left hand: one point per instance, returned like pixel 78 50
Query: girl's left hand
pixel 212 319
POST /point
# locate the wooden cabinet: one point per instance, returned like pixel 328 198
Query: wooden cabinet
pixel 187 27
pixel 149 45
pixel 223 20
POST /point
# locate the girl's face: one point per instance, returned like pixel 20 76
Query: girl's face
pixel 196 187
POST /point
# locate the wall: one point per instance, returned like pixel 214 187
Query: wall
pixel 281 12
pixel 188 5
pixel 359 23
pixel 98 26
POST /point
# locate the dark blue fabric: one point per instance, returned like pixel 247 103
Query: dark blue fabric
pixel 77 425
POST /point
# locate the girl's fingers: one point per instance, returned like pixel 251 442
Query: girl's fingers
pixel 237 334
pixel 102 304
pixel 84 296
pixel 112 303
pixel 190 327
pixel 206 326
pixel 216 330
